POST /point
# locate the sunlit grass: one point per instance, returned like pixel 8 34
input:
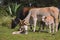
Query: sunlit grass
pixel 6 34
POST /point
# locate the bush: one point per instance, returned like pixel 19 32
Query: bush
pixel 5 21
pixel 3 12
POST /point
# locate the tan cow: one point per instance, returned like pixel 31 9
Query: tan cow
pixel 46 11
pixel 49 21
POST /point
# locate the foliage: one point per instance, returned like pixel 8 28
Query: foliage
pixel 38 2
pixel 5 21
pixel 3 11
pixel 12 8
pixel 42 2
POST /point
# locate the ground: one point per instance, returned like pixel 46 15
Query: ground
pixel 6 34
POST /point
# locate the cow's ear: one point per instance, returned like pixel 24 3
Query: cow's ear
pixel 20 20
pixel 45 17
pixel 23 20
pixel 26 23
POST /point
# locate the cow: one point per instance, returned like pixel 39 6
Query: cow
pixel 49 21
pixel 46 11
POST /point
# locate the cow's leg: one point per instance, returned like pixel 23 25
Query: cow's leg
pixel 49 28
pixel 56 23
pixel 35 21
pixel 26 29
pixel 31 28
pixel 53 27
pixel 42 27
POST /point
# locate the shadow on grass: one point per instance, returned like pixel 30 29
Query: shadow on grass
pixel 59 26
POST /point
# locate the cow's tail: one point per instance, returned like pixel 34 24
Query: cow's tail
pixel 59 15
pixel 59 19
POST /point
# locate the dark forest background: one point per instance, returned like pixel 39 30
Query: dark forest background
pixel 35 2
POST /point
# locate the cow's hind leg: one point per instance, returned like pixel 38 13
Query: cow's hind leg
pixel 53 27
pixel 49 28
pixel 56 23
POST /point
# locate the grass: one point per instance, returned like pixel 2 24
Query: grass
pixel 6 33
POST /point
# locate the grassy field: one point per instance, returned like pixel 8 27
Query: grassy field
pixel 6 33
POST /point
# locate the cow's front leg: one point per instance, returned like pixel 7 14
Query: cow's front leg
pixel 35 21
pixel 26 29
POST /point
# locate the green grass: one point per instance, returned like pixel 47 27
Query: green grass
pixel 6 34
